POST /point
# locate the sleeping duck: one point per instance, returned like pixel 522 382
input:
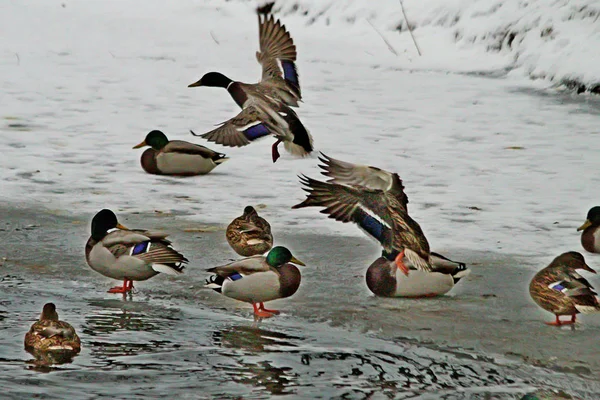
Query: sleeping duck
pixel 49 334
pixel 129 255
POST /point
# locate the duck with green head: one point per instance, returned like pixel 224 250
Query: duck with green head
pixel 258 279
pixel 265 105
pixel 177 157
pixel 558 288
pixel 590 238
pixel 129 255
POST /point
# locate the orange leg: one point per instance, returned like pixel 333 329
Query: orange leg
pixel 261 307
pixel 127 286
pixel 261 313
pixel 400 264
pixel 558 322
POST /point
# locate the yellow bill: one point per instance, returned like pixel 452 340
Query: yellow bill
pixel 296 261
pixel 585 225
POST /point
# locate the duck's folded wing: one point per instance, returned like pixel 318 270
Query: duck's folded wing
pixel 365 207
pixel 157 252
pixel 277 54
pixel 239 130
pixel 346 173
pixel 181 146
pixel 245 266
pixel 574 285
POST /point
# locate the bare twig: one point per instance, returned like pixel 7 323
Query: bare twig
pixel 381 36
pixel 18 59
pixel 214 38
pixel 409 30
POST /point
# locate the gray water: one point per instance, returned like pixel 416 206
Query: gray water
pixel 333 339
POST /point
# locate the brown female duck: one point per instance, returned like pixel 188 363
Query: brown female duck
pixel 558 288
pixel 49 334
pixel 249 234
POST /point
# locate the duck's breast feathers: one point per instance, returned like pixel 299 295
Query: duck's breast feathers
pixel 239 130
pixel 277 55
pixel 346 173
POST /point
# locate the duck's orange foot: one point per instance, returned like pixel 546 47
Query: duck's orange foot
pixel 261 307
pixel 119 289
pixel 558 322
pixel 261 313
pixel 400 264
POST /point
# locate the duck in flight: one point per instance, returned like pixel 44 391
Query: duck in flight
pixel 266 105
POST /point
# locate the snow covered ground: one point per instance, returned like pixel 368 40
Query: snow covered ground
pixel 490 159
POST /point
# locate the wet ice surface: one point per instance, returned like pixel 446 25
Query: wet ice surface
pixel 499 173
pixel 332 340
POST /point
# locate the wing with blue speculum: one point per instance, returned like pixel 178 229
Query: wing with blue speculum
pixel 240 130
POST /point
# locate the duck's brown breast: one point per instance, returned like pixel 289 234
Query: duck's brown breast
pixel 380 280
pixel 590 239
pixel 148 162
pixel 289 280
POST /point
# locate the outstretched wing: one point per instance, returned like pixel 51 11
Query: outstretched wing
pixel 346 173
pixel 239 130
pixel 277 54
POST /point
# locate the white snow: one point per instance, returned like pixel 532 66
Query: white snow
pixel 90 79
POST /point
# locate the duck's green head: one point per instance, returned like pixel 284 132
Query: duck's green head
pixel 49 312
pixel 593 218
pixel 155 139
pixel 213 79
pixel 102 222
pixel 280 255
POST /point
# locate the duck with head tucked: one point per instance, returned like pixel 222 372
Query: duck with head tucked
pixel 265 105
pixel 129 255
pixel 590 237
pixel 249 234
pixel 177 157
pixel 558 288
pixel 258 279
pixel 49 334
pixel 374 199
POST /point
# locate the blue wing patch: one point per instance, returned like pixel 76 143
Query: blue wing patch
pixel 557 286
pixel 235 276
pixel 372 226
pixel 289 71
pixel 256 131
pixel 140 248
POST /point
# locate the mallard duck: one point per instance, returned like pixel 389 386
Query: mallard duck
pixel 49 334
pixel 131 255
pixel 558 288
pixel 385 279
pixel 258 279
pixel 265 105
pixel 374 199
pixel 249 234
pixel 177 157
pixel 590 238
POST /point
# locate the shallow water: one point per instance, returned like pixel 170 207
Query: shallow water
pixel 333 340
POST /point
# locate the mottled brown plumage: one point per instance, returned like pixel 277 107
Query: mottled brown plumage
pixel 559 289
pixel 49 334
pixel 249 234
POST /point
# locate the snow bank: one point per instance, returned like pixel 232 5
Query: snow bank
pixel 554 40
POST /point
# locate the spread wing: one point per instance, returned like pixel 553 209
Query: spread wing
pixel 245 266
pixel 277 54
pixel 346 173
pixel 239 130
pixel 180 146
